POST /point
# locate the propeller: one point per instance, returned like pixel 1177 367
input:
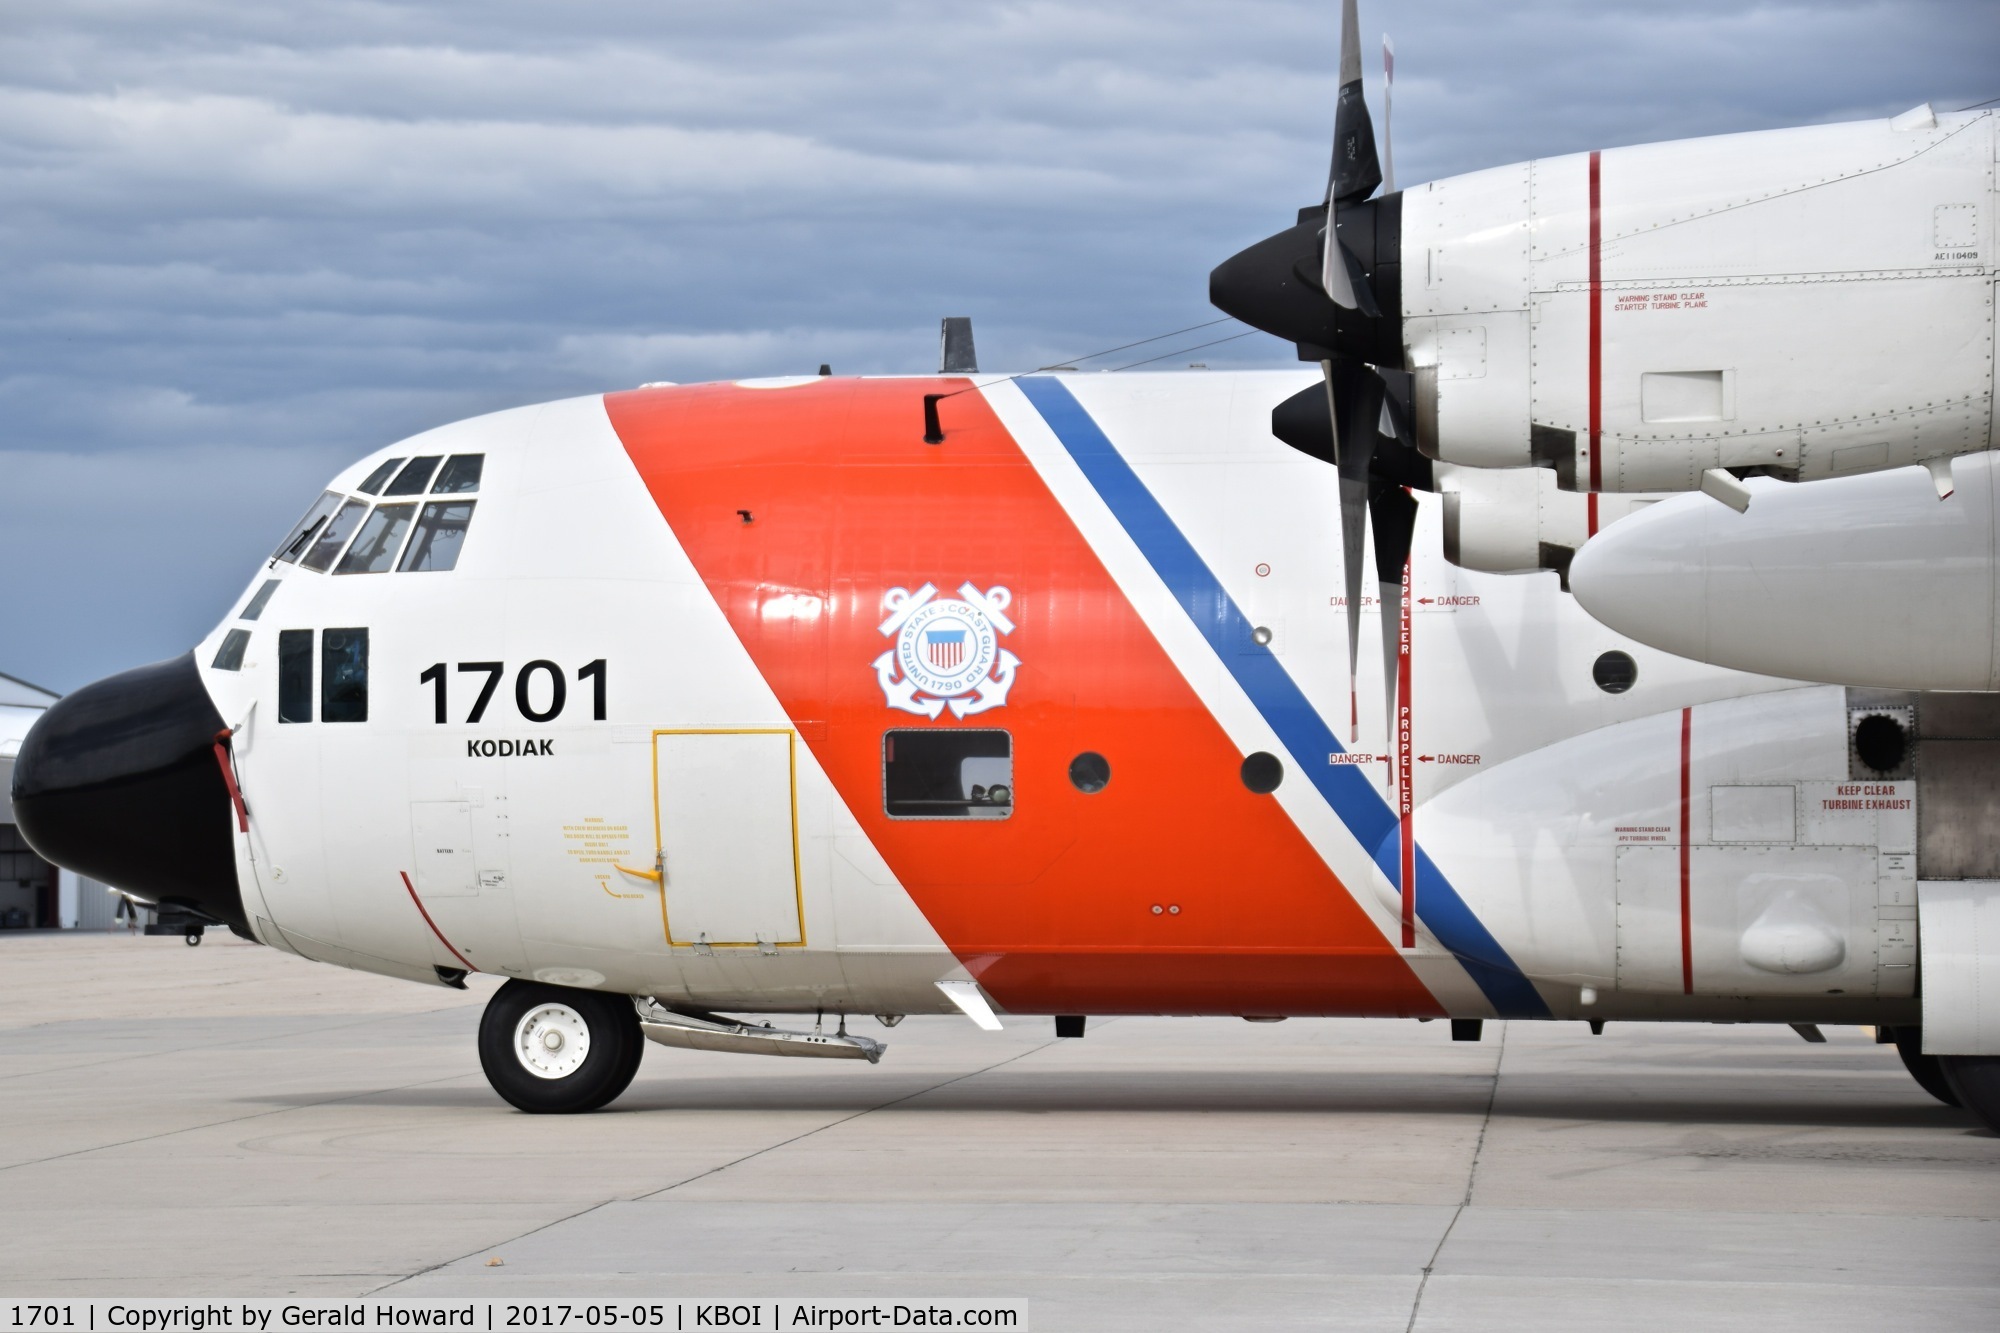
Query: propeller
pixel 1332 284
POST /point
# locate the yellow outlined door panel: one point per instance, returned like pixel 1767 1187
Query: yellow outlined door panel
pixel 726 802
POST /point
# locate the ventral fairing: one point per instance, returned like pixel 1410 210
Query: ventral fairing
pixel 1054 695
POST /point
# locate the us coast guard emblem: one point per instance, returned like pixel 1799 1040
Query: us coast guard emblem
pixel 947 652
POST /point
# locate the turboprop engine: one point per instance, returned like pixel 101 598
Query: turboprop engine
pixel 1636 316
pixel 1729 850
pixel 1801 303
pixel 1856 581
pixel 1741 856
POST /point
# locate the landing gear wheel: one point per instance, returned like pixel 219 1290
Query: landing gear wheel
pixel 555 1050
pixel 1976 1080
pixel 1923 1068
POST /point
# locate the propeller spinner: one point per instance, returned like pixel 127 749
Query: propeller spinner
pixel 1332 284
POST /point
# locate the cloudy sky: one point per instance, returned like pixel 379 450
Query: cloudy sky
pixel 242 243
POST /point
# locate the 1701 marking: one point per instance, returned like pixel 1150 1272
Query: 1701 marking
pixel 525 690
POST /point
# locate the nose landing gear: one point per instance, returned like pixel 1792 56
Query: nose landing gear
pixel 555 1050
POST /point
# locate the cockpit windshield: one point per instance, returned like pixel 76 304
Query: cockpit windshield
pixel 301 536
pixel 335 535
pixel 415 476
pixel 380 476
pixel 374 551
pixel 440 532
pixel 406 536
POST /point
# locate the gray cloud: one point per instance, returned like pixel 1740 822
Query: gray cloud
pixel 244 243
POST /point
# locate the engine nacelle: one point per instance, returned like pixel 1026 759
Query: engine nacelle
pixel 1746 852
pixel 1518 521
pixel 1856 581
pixel 1806 302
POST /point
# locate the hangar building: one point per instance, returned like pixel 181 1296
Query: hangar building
pixel 35 895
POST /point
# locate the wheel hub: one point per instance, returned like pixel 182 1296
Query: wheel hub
pixel 552 1041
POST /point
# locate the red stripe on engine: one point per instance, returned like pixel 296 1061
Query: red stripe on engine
pixel 1596 332
pixel 1687 923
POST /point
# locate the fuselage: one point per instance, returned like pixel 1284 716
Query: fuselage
pixel 745 697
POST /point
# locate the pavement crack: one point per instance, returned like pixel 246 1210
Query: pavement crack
pixel 1471 1177
pixel 230 1120
pixel 724 1166
pixel 835 1124
pixel 156 1052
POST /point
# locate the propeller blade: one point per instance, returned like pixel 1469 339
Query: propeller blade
pixel 1393 511
pixel 1350 558
pixel 1355 172
pixel 1396 457
pixel 1335 278
pixel 1388 115
pixel 1354 397
pixel 1360 296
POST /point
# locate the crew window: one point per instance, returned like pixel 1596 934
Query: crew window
pixel 374 551
pixel 440 533
pixel 948 773
pixel 295 675
pixel 343 675
pixel 335 535
pixel 415 476
pixel 377 478
pixel 229 657
pixel 308 527
pixel 261 600
pixel 460 474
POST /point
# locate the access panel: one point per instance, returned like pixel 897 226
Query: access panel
pixel 727 808
pixel 1770 920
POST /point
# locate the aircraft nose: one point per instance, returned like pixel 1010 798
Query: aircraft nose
pixel 119 781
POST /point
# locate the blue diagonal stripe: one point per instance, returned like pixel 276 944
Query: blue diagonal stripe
pixel 1278 698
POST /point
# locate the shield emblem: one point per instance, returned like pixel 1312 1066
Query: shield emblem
pixel 944 649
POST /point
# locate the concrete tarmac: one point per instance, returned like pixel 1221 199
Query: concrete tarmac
pixel 231 1121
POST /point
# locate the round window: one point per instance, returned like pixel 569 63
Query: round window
pixel 1089 772
pixel 1262 772
pixel 1615 672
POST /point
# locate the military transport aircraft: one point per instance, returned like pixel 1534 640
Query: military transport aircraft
pixel 1041 695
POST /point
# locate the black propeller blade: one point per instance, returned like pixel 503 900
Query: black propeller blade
pixel 1355 172
pixel 1332 284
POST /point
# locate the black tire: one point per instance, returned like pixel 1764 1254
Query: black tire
pixel 1976 1080
pixel 1923 1068
pixel 607 1025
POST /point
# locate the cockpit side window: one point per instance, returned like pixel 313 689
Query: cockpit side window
pixel 343 675
pixel 440 533
pixel 380 476
pixel 335 535
pixel 415 476
pixel 260 601
pixel 460 474
pixel 374 551
pixel 229 657
pixel 308 527
pixel 295 675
